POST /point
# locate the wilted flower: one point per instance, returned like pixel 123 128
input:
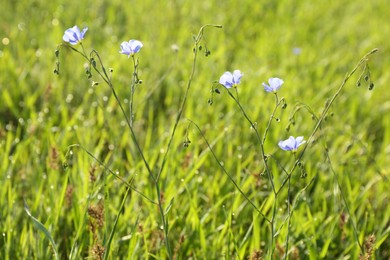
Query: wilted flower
pixel 229 79
pixel 274 84
pixel 131 47
pixel 73 35
pixel 291 144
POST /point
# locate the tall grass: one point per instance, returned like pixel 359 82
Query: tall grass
pixel 214 198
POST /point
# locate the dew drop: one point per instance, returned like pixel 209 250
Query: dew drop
pixel 5 41
pixel 55 22
pixel 69 98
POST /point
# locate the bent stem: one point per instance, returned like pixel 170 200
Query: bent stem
pixel 227 174
pixel 324 113
pixel 112 172
pixel 254 126
pixel 198 40
pixel 154 180
pixel 129 121
pixel 103 74
pixel 264 159
pixel 356 233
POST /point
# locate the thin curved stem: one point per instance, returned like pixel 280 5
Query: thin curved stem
pixel 198 39
pixel 253 125
pixel 112 172
pixel 227 174
pixel 325 112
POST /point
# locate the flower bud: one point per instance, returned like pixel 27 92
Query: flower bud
pixel 93 62
pixel 186 143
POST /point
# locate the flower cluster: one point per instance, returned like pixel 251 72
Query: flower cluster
pixel 229 80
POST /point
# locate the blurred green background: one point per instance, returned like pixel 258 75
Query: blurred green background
pixel 311 45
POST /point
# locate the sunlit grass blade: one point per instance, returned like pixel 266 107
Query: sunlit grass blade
pixel 42 228
pixel 108 245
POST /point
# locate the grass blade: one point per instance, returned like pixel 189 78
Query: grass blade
pixel 42 228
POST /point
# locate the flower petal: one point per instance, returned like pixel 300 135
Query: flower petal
pixel 125 48
pixel 237 75
pixel 299 141
pixel 226 79
pixel 284 145
pixel 83 32
pixel 291 144
pixel 276 83
pixel 267 88
pixel 73 35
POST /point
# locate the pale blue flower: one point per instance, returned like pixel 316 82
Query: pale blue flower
pixel 274 84
pixel 291 144
pixel 74 35
pixel 131 47
pixel 229 79
pixel 297 50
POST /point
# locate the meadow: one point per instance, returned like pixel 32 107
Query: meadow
pixel 197 172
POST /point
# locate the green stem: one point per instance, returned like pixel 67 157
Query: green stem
pixel 325 112
pixel 198 39
pixel 227 174
pixel 253 125
pixel 134 82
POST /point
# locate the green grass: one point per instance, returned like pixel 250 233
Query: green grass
pixel 74 199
